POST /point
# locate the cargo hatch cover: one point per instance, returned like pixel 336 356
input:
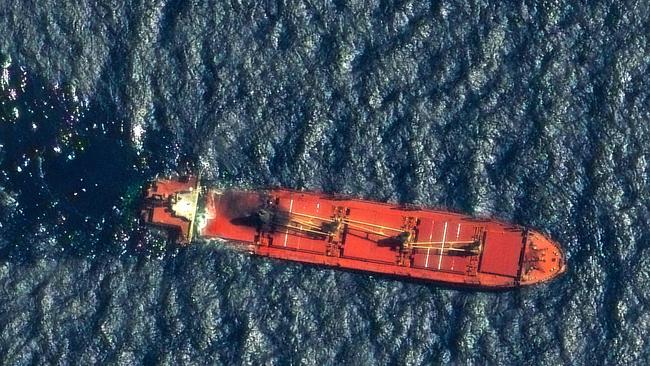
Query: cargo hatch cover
pixel 501 253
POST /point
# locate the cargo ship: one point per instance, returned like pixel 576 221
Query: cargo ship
pixel 353 234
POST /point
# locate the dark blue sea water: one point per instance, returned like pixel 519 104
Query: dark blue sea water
pixel 534 112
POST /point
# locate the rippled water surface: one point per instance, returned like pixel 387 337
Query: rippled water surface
pixel 534 112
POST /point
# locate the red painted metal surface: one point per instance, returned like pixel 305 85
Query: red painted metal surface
pixel 380 238
pixel 357 235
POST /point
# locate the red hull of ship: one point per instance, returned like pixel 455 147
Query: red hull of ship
pixel 442 247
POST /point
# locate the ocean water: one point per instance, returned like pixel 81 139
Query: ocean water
pixel 533 112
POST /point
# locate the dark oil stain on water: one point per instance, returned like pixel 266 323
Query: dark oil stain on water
pixel 537 113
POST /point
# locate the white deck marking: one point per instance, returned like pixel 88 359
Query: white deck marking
pixel 286 232
pixel 426 263
pixel 453 260
pixel 442 247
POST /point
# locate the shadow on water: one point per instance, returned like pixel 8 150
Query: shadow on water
pixel 69 178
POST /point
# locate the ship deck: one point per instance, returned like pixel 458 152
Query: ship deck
pixel 362 235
